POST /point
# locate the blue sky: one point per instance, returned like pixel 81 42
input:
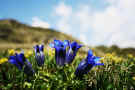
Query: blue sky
pixel 24 10
pixel 95 22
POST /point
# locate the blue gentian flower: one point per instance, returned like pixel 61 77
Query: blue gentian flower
pixel 39 54
pixel 21 63
pixel 60 51
pixel 73 48
pixel 86 65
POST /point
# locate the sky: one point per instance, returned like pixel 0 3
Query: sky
pixel 94 22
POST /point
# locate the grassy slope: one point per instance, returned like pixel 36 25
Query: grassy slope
pixel 14 32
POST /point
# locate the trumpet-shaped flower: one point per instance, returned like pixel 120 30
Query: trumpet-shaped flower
pixel 39 54
pixel 73 48
pixel 21 63
pixel 86 65
pixel 60 51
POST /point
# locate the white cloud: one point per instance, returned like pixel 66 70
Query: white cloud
pixel 73 21
pixel 83 38
pixel 113 25
pixel 63 10
pixel 64 26
pixel 117 23
pixel 37 22
pixel 83 17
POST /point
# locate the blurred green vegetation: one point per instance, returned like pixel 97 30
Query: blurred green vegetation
pixel 115 49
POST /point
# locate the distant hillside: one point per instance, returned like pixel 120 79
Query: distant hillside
pixel 14 34
pixel 115 49
pixel 12 31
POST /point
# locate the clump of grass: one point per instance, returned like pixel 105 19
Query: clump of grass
pixel 114 75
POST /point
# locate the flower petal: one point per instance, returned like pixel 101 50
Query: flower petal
pixel 90 53
pixel 71 53
pixel 83 68
pixel 60 56
pixel 12 60
pixel 36 48
pixel 57 43
pixel 97 59
pixel 66 42
pixel 79 46
pixel 28 68
pixel 98 64
pixel 41 48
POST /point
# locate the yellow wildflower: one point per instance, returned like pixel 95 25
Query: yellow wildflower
pixel 113 53
pixel 3 60
pixel 133 78
pixel 45 50
pixel 51 51
pixel 113 58
pixel 132 63
pixel 94 54
pixel 28 53
pixel 109 55
pixel 117 59
pixel 11 52
pixel 130 55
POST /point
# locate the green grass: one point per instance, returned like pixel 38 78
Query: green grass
pixel 111 76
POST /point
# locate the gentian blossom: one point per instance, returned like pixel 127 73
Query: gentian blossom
pixel 60 51
pixel 64 55
pixel 70 55
pixel 21 63
pixel 87 64
pixel 39 54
